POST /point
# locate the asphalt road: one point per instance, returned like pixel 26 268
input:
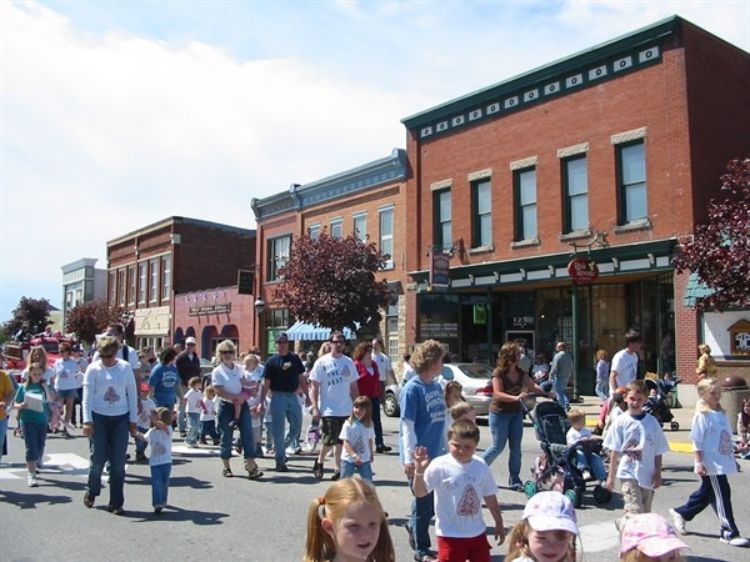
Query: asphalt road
pixel 211 516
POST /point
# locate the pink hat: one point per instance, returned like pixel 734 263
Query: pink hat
pixel 550 511
pixel 650 534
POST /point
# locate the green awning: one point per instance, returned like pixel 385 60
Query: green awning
pixel 695 289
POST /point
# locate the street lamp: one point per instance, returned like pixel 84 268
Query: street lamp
pixel 260 306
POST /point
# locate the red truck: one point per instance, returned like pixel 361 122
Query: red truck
pixel 16 353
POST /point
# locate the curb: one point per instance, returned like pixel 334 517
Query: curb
pixel 674 446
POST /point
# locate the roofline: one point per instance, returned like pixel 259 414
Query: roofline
pixel 169 221
pixel 78 264
pixel 657 30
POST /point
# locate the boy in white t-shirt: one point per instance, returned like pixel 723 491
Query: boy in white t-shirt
pixel 193 403
pixel 208 416
pixel 460 480
pixel 624 368
pixel 637 443
pixel 143 421
pixel 159 439
pixel 578 436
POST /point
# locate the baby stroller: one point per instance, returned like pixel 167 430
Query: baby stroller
pixel 556 467
pixel 658 402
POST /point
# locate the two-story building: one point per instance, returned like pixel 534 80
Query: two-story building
pixel 610 155
pixel 148 267
pixel 82 282
pixel 368 200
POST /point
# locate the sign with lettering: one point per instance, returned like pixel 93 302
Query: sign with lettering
pixel 739 337
pixel 440 269
pixel 210 309
pixel 583 270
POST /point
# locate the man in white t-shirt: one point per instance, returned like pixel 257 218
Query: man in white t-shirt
pixel 334 387
pixel 384 363
pixel 624 369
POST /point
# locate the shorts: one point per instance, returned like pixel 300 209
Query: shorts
pixel 70 393
pixel 330 427
pixel 476 549
pixel 635 498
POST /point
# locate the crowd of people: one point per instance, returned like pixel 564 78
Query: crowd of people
pixel 125 394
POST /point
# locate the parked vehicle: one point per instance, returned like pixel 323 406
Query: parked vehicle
pixel 206 369
pixel 16 353
pixel 475 378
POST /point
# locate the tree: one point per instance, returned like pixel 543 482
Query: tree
pixel 331 282
pixel 91 318
pixel 31 314
pixel 720 249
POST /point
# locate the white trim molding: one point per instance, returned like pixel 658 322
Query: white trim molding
pixel 627 136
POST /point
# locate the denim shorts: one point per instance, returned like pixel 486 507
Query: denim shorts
pixel 70 393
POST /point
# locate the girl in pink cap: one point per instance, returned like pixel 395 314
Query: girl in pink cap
pixel 547 531
pixel 647 537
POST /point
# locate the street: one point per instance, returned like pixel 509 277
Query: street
pixel 235 518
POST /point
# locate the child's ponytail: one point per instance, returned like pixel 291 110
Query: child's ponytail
pixel 319 545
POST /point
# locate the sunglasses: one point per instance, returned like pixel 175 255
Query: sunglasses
pixel 227 352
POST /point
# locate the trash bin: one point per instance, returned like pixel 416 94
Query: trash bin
pixel 733 391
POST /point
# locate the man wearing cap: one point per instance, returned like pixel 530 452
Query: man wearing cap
pixel 283 376
pixel 188 366
pixel 560 373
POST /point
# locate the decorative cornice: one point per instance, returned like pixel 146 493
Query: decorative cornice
pixel 593 66
pixel 392 168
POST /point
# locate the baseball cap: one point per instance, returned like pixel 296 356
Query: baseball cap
pixel 551 511
pixel 650 534
pixel 282 337
pixel 190 340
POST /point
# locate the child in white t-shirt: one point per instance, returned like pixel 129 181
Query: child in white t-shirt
pixel 358 436
pixel 193 403
pixel 254 377
pixel 460 480
pixel 711 435
pixel 578 436
pixel 143 421
pixel 159 439
pixel 637 443
pixel 208 416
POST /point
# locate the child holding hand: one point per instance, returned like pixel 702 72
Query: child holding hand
pixel 143 421
pixel 208 416
pixel 460 480
pixel 159 438
pixel 358 436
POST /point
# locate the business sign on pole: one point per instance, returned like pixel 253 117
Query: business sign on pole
pixel 583 270
pixel 439 270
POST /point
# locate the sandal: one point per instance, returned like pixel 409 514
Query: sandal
pixel 254 473
pixel 88 500
pixel 227 473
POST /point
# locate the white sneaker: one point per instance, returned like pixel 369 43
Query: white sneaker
pixel 736 541
pixel 678 521
pixel 31 480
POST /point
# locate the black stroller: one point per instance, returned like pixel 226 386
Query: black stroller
pixel 556 467
pixel 658 403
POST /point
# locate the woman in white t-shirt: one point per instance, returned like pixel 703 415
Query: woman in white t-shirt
pixel 226 379
pixel 68 380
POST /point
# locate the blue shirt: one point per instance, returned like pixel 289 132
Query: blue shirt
pixel 424 404
pixel 164 381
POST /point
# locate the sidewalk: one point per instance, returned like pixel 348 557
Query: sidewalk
pixel 679 441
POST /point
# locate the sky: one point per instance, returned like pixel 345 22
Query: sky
pixel 117 114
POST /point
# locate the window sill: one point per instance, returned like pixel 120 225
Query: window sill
pixel 575 235
pixel 482 249
pixel 273 282
pixel 525 243
pixel 640 224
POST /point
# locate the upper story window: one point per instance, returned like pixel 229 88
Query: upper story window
pixel 481 205
pixel 386 234
pixel 153 293
pixel 631 181
pixel 166 277
pixel 131 285
pixel 524 182
pixel 142 281
pixel 576 193
pixel 122 287
pixel 314 231
pixel 279 250
pixel 360 226
pixel 112 288
pixel 443 218
pixel 337 228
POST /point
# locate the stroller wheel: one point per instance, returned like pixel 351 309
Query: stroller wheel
pixel 573 497
pixel 674 425
pixel 602 495
pixel 530 488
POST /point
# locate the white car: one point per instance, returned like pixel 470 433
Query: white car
pixel 475 378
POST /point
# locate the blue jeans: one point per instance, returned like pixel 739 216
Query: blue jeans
pixel 558 386
pixel 378 425
pixel 109 443
pixel 181 408
pixel 208 429
pixel 348 469
pixel 284 406
pixel 3 434
pixel 224 416
pixel 140 444
pixel 193 428
pixel 602 389
pixel 596 465
pixel 422 512
pixel 506 428
pixel 160 484
pixel 34 435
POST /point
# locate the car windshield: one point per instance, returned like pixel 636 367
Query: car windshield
pixel 476 371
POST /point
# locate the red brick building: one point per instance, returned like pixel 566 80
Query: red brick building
pixel 147 268
pixel 620 145
pixel 370 200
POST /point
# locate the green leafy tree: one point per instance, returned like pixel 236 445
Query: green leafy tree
pixel 91 318
pixel 31 314
pixel 332 282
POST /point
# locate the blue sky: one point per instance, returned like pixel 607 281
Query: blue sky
pixel 118 114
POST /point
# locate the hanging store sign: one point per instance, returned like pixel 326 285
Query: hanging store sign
pixel 210 309
pixel 583 270
pixel 439 269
